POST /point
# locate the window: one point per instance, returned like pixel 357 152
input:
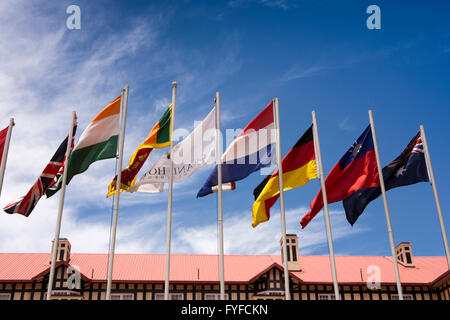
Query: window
pixel 57 294
pixel 5 296
pixel 122 296
pixel 61 255
pixel 271 293
pixel 214 296
pixel 159 296
pixel 172 296
pixel 408 257
pixel 294 253
pixel 327 296
pixel 405 297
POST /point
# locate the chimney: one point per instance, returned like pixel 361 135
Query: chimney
pixel 63 252
pixel 292 252
pixel 404 254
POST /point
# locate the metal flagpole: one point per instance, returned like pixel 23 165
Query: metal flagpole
pixel 5 152
pixel 436 196
pixel 219 197
pixel 169 206
pixel 60 208
pixel 325 205
pixel 280 184
pixel 112 245
pixel 386 208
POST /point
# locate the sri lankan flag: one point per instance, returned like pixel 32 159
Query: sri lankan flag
pixel 299 166
pixel 158 138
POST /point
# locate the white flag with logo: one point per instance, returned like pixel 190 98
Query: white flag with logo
pixel 194 152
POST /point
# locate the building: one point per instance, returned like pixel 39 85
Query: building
pixel 24 276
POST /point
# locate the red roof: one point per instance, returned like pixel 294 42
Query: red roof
pixel 353 269
pixel 204 268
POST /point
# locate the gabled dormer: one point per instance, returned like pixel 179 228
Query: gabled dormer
pixel 63 251
pixel 404 254
pixel 292 252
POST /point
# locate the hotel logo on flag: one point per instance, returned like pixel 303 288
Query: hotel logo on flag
pixel 194 152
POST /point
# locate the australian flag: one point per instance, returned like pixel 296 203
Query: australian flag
pixel 408 168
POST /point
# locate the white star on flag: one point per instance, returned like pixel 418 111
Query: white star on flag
pixel 400 171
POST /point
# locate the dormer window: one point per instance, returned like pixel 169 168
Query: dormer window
pixel 292 251
pixel 404 254
pixel 63 251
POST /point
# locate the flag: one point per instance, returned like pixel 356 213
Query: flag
pixel 3 134
pixel 408 168
pixel 56 182
pixel 249 152
pixel 356 170
pixel 26 205
pixel 299 166
pixel 158 138
pixel 197 150
pixel 97 142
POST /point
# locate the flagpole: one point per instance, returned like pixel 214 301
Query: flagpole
pixel 112 245
pixel 282 211
pixel 60 208
pixel 436 195
pixel 219 197
pixel 5 152
pixel 325 205
pixel 386 208
pixel 169 205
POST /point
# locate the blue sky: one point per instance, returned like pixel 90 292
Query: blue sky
pixel 311 54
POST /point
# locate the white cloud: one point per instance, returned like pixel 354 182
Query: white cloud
pixel 45 73
pixel 162 104
pixel 241 238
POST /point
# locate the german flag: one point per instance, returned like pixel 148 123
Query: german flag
pixel 158 138
pixel 299 166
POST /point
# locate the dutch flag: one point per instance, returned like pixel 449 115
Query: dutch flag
pixel 250 151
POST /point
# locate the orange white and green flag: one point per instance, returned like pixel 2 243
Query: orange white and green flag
pixel 97 142
pixel 158 138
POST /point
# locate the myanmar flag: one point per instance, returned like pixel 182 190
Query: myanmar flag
pixel 158 138
pixel 97 142
pixel 299 166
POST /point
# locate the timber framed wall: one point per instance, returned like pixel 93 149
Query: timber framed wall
pixel 269 285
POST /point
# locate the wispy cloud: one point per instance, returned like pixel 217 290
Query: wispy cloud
pixel 162 104
pixel 297 72
pixel 279 4
pixel 345 124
